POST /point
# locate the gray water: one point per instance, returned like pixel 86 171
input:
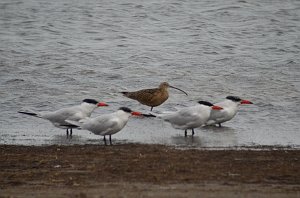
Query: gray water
pixel 53 54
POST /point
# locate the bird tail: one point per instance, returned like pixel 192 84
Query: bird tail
pixel 31 113
pixel 77 124
pixel 166 115
pixel 149 115
pixel 210 122
pixel 125 93
pixel 160 115
pixel 135 95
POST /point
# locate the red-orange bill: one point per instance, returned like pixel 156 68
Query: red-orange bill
pixel 216 107
pixel 136 113
pixel 102 104
pixel 246 102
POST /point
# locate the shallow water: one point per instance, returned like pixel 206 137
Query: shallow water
pixel 54 54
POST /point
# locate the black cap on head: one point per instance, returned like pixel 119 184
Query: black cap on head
pixel 126 109
pixel 206 103
pixel 91 101
pixel 234 98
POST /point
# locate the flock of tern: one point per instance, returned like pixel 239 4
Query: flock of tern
pixel 204 113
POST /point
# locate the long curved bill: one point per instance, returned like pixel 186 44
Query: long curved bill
pixel 178 89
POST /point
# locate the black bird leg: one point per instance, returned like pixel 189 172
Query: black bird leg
pixel 220 125
pixel 185 132
pixel 71 132
pixel 104 139
pixel 193 132
pixel 110 140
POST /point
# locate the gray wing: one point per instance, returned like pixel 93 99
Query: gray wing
pixel 59 116
pixel 101 124
pixel 185 116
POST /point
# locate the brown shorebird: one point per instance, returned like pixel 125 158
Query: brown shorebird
pixel 152 97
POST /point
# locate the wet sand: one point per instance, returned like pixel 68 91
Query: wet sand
pixel 140 170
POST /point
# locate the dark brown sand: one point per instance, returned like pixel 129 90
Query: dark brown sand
pixel 138 170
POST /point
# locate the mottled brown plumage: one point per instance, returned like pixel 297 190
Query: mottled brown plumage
pixel 151 97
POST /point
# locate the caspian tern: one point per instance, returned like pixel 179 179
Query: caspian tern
pixel 230 107
pixel 190 117
pixel 58 118
pixel 107 124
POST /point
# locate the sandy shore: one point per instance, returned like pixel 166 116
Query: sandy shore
pixel 138 170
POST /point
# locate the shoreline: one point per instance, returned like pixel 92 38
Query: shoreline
pixel 177 147
pixel 125 168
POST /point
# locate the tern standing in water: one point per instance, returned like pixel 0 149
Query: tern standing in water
pixel 58 118
pixel 230 107
pixel 107 124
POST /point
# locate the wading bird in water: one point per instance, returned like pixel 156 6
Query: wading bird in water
pixel 152 97
pixel 230 107
pixel 107 124
pixel 58 118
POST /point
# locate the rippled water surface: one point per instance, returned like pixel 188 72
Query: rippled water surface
pixel 53 54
